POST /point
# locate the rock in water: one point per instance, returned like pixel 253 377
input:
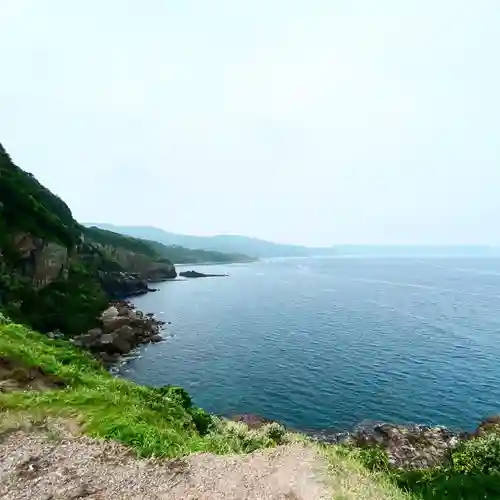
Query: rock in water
pixel 196 274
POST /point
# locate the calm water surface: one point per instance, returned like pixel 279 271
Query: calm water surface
pixel 329 342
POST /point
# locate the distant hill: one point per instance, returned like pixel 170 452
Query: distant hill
pixel 245 245
pixel 114 235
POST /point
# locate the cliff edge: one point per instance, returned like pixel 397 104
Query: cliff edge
pixel 55 273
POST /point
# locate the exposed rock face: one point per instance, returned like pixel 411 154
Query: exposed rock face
pixel 138 264
pixel 409 446
pixel 43 262
pixel 50 277
pixel 491 425
pixel 15 376
pixel 120 284
pixel 122 328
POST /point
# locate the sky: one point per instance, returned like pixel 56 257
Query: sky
pixel 299 121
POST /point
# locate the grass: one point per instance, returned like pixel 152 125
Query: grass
pixel 350 480
pixel 148 420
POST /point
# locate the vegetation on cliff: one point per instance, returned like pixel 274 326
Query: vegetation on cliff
pixel 55 274
pixel 175 253
pixel 26 205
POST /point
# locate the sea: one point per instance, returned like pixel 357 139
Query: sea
pixel 326 343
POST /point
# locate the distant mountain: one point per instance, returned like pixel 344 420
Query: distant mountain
pixel 115 236
pixel 253 247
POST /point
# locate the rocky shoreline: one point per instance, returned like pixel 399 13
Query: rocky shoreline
pixel 121 329
pixel 407 446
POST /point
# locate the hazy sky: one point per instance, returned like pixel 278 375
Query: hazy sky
pixel 308 121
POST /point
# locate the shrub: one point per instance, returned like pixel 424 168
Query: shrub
pixel 177 394
pixel 478 456
pixel 274 431
pixel 202 420
pixel 3 319
pixel 373 458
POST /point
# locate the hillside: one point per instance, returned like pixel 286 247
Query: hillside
pixel 173 253
pixel 253 247
pixel 55 274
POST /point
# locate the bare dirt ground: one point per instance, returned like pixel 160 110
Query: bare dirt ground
pixel 14 376
pixel 45 465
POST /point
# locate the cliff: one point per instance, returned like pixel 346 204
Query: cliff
pixel 54 273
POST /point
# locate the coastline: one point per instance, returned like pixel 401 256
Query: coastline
pixel 184 264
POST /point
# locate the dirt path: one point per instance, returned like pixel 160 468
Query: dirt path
pixel 43 466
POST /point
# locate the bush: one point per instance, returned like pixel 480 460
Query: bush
pixel 3 319
pixel 478 456
pixel 202 420
pixel 373 458
pixel 447 484
pixel 274 431
pixel 177 394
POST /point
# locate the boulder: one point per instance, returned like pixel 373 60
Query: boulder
pixel 124 311
pixel 95 333
pixel 126 333
pixel 88 340
pixel 112 324
pixel 105 343
pixel 109 313
pixel 121 345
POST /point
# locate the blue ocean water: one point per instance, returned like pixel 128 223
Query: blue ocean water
pixel 324 343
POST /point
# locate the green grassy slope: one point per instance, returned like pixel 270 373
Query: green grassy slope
pixel 153 422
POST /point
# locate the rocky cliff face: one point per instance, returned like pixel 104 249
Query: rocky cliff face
pixel 138 264
pixel 53 274
pixel 42 261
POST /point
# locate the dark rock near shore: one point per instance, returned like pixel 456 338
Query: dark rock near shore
pixel 490 425
pixel 122 329
pixel 196 274
pixel 253 421
pixel 409 446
